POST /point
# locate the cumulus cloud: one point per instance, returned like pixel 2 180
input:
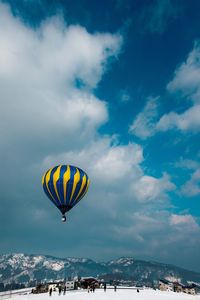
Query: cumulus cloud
pixel 149 188
pixel 117 162
pixel 41 72
pixel 187 76
pixel 192 186
pixel 47 77
pixel 112 168
pixel 186 83
pixel 144 124
pixel 104 158
pixel 187 164
pixel 48 107
pixel 183 221
pixel 182 228
pixel 165 233
pixel 117 168
pixel 187 121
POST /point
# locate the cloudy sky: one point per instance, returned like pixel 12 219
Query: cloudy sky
pixel 114 88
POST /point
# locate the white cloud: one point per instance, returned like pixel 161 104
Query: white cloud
pixel 141 225
pixel 105 160
pixel 116 169
pixel 186 82
pixel 187 121
pixel 187 164
pixel 112 169
pixel 39 70
pixel 183 221
pixel 54 120
pixel 118 162
pixel 119 191
pixel 144 124
pixel 184 231
pixel 164 233
pixel 192 186
pixel 187 76
pixel 149 188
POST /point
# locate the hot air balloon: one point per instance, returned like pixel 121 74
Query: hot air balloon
pixel 65 186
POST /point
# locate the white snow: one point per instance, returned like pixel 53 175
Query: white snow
pixel 123 261
pixel 38 259
pixel 21 260
pixel 121 294
pixel 173 279
pixel 77 260
pixel 56 266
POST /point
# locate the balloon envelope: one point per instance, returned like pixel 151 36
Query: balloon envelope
pixel 65 186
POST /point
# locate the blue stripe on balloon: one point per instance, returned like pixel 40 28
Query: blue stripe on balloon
pixel 47 192
pixel 51 186
pixel 70 185
pixel 60 184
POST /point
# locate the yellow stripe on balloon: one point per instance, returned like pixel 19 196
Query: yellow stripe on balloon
pixel 82 186
pixel 56 176
pixel 88 183
pixel 43 179
pixel 47 181
pixel 76 181
pixel 66 178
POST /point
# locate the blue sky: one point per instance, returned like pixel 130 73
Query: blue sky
pixel 113 87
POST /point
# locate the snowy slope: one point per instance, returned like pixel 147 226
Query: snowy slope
pixel 124 294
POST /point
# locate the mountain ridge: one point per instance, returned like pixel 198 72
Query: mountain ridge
pixel 24 268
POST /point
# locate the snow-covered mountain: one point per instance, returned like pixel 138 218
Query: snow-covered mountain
pixel 24 268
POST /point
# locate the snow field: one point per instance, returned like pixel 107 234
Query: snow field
pixel 123 294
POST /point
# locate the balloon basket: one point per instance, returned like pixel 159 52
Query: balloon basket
pixel 63 219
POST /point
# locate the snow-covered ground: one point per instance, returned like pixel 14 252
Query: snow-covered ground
pixel 125 294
